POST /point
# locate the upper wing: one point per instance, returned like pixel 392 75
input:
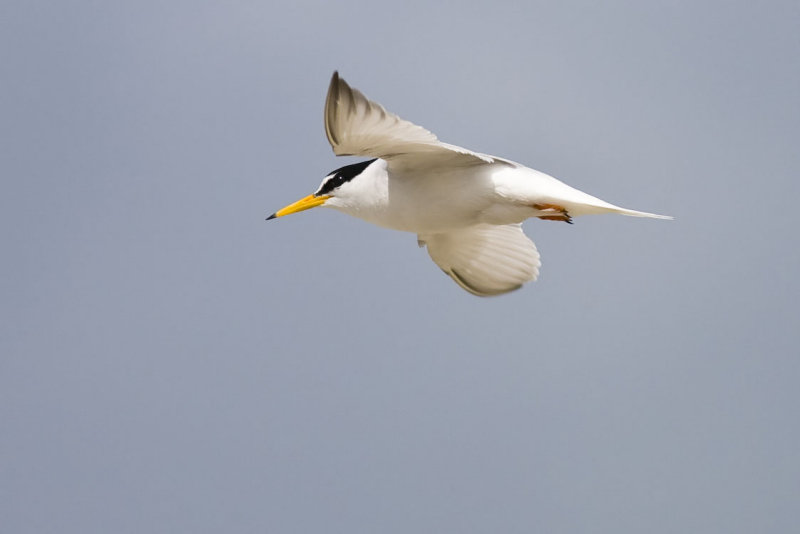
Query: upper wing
pixel 357 126
pixel 485 259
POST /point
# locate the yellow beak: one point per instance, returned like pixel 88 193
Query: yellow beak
pixel 301 205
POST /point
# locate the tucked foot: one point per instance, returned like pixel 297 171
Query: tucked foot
pixel 559 213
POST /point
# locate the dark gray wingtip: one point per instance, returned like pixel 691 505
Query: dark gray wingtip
pixel 271 217
pixel 331 101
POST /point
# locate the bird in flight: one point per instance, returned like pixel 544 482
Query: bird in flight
pixel 464 206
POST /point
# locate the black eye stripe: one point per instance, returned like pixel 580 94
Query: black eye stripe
pixel 342 175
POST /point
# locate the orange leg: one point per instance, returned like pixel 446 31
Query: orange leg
pixel 559 213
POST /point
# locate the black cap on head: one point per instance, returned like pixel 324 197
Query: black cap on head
pixel 342 175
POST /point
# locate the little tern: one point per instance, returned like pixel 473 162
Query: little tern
pixel 464 206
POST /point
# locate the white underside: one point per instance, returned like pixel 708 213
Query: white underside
pixel 442 198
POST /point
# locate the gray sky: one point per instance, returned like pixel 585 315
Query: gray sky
pixel 173 363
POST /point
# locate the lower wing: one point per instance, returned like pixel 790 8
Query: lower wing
pixel 485 259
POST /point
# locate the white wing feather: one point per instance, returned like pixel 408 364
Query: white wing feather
pixel 357 126
pixel 485 259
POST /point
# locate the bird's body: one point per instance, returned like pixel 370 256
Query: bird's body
pixel 465 206
pixel 441 198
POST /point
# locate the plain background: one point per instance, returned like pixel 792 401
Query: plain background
pixel 170 362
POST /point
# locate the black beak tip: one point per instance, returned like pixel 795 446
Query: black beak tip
pixel 271 217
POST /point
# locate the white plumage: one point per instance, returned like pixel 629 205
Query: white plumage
pixel 466 207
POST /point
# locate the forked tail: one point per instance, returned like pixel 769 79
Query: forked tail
pixel 634 213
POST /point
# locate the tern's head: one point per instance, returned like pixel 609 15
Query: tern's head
pixel 339 189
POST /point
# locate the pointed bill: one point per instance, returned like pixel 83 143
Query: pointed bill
pixel 305 203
